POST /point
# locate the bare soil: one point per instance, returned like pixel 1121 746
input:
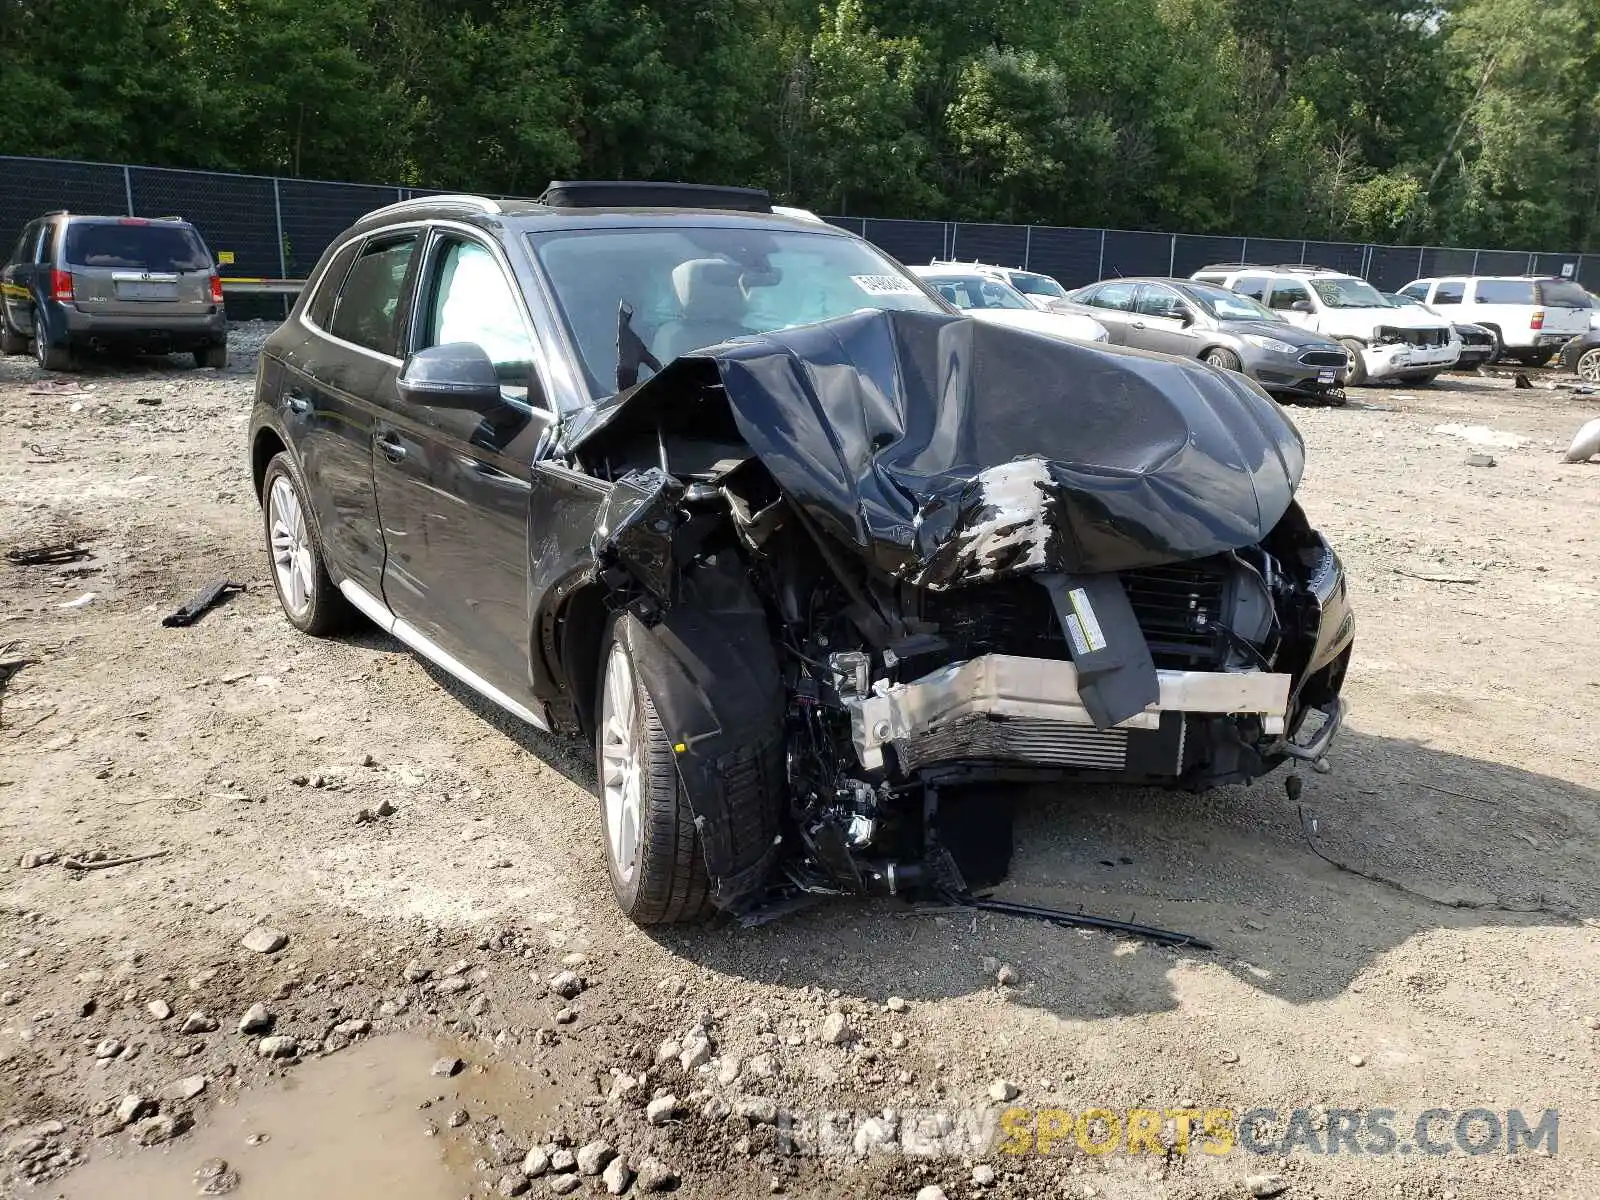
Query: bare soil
pixel 1459 969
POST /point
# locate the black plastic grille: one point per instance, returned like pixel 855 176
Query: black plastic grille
pixel 1175 605
pixel 1325 358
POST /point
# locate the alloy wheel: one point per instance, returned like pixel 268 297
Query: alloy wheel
pixel 1589 365
pixel 291 547
pixel 621 764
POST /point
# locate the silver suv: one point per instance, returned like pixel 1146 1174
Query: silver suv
pixel 74 284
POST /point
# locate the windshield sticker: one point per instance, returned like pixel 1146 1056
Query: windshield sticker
pixel 884 285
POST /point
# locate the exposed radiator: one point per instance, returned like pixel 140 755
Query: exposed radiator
pixel 1045 743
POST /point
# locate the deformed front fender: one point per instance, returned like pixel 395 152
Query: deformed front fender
pixel 711 668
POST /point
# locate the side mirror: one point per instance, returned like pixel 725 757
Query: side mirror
pixel 1302 306
pixel 455 375
pixel 1185 317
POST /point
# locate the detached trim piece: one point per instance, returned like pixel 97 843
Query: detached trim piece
pixel 1005 685
pixel 380 615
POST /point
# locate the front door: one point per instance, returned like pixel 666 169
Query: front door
pixel 1163 321
pixel 468 474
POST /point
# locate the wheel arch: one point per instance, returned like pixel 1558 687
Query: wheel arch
pixel 264 447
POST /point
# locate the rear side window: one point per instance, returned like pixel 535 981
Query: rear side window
pixel 133 246
pixel 1115 295
pixel 1559 293
pixel 47 243
pixel 321 306
pixel 1418 291
pixel 369 302
pixel 1505 291
pixel 24 248
pixel 1451 291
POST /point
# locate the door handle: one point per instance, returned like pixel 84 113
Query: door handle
pixel 392 447
pixel 297 403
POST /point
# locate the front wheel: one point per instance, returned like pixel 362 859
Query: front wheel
pixel 1588 366
pixel 653 851
pixel 1356 373
pixel 212 356
pixel 1221 356
pixel 1420 378
pixel 1535 358
pixel 299 572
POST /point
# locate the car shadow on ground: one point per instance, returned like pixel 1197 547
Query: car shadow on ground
pixel 1454 843
pixel 1429 840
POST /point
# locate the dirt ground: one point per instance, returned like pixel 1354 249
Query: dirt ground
pixel 435 867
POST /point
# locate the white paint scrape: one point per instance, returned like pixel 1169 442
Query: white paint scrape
pixel 1483 437
pixel 1014 517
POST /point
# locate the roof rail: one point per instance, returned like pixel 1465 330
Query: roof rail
pixel 481 203
pixel 647 193
pixel 1234 266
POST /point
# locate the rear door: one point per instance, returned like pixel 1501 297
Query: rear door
pixel 134 267
pixel 469 471
pixel 338 384
pixel 1113 308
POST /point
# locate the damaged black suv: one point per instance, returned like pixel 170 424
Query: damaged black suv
pixel 805 551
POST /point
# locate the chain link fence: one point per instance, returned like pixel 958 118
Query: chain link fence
pixel 262 226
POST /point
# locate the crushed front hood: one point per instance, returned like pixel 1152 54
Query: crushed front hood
pixel 948 451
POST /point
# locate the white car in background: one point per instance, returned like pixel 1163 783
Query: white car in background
pixel 1385 341
pixel 1531 316
pixel 986 299
pixel 1041 291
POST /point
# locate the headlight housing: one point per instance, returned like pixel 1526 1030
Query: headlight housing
pixel 1272 345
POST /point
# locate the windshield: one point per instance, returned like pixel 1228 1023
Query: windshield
pixel 140 246
pixel 974 291
pixel 1342 291
pixel 689 288
pixel 1037 285
pixel 1230 306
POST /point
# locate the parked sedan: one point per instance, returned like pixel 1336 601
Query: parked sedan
pixel 1581 356
pixel 986 299
pixel 1222 327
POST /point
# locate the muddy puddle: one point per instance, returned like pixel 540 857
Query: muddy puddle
pixel 352 1125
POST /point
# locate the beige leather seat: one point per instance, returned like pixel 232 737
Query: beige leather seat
pixel 713 307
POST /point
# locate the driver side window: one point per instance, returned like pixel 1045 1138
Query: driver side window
pixel 1286 295
pixel 469 299
pixel 1159 302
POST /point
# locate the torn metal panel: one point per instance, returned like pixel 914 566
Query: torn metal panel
pixel 632 542
pixel 900 434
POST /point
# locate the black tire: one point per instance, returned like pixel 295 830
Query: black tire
pixel 1221 356
pixel 1534 358
pixel 325 610
pixel 1356 374
pixel 1419 378
pixel 51 358
pixel 1497 350
pixel 11 343
pixel 665 880
pixel 212 356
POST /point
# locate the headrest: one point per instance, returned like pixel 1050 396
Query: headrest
pixel 709 289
